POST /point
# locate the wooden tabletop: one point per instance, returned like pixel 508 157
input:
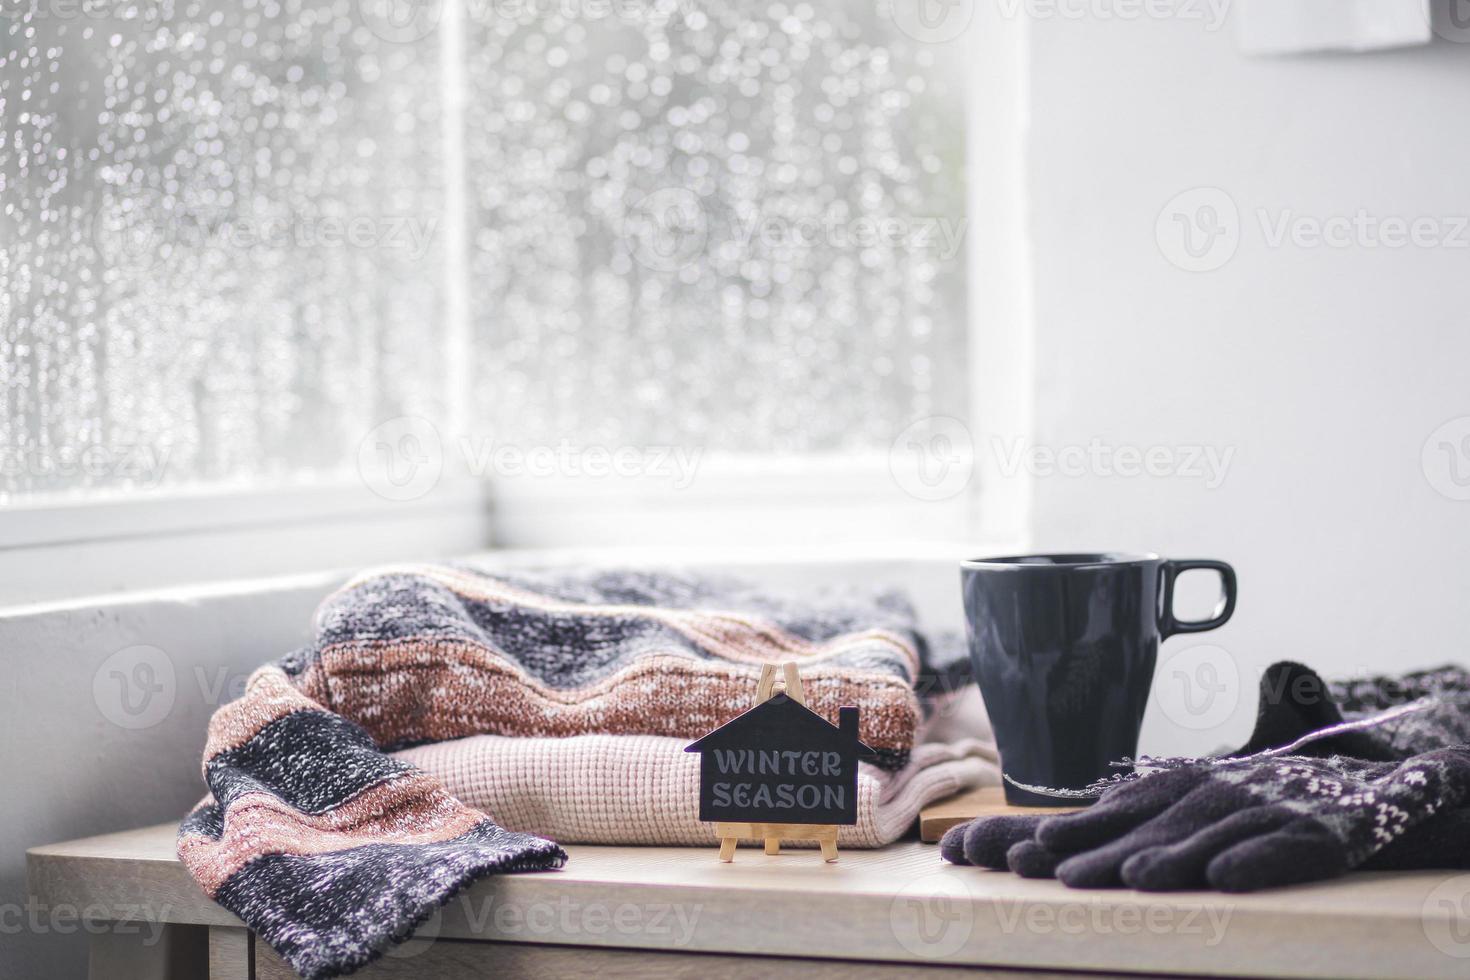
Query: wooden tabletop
pixel 897 904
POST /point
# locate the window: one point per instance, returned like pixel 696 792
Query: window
pixel 225 239
pixel 236 236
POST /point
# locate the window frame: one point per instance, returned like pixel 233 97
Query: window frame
pixel 61 548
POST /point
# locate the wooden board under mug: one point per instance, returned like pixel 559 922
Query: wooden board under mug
pixel 987 801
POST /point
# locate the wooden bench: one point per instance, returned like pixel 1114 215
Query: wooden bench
pixel 663 911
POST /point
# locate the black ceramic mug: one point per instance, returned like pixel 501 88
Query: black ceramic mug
pixel 1064 648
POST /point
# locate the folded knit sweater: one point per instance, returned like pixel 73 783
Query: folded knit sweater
pixel 428 653
pixel 332 850
pixel 643 789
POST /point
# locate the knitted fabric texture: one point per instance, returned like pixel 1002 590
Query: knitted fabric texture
pixel 332 850
pixel 1289 813
pixel 1297 705
pixel 429 653
pixel 644 789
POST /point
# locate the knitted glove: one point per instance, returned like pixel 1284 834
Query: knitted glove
pixel 1297 709
pixel 1296 703
pixel 1366 695
pixel 1234 825
pixel 1442 842
pixel 1298 712
pixel 985 841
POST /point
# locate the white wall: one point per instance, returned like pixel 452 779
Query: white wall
pixel 77 763
pixel 1323 369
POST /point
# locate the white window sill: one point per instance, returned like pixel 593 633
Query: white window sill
pixel 67 549
pixel 758 511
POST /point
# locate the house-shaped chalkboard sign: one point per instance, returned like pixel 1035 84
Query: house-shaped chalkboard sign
pixel 780 764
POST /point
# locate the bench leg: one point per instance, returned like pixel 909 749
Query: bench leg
pixel 230 953
pixel 727 849
pixel 773 845
pixel 147 951
pixel 829 850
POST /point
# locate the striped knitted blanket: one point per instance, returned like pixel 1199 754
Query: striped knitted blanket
pixel 333 850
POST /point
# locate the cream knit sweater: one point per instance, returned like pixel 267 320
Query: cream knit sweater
pixel 644 789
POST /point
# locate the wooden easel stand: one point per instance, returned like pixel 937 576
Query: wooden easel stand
pixel 730 834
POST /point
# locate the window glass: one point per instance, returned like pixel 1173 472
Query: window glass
pixel 736 225
pixel 220 243
pixel 224 259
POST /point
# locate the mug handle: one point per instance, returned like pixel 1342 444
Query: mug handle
pixel 1168 625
